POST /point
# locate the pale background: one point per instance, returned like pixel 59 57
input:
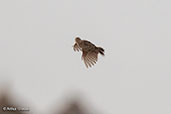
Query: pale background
pixel 37 60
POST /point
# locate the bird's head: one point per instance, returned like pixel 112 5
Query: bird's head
pixel 77 40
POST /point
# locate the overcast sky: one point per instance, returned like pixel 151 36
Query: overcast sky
pixel 37 59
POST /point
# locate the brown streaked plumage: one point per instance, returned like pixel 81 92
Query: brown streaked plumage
pixel 89 51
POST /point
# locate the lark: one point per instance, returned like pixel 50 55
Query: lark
pixel 89 51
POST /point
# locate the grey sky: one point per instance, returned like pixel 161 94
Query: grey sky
pixel 36 56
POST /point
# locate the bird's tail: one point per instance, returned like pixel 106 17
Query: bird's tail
pixel 101 50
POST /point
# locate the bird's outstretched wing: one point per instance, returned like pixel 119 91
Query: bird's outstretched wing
pixel 90 58
pixel 76 47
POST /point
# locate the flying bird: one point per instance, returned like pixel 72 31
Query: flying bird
pixel 89 51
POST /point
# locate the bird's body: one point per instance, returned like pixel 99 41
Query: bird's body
pixel 89 51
